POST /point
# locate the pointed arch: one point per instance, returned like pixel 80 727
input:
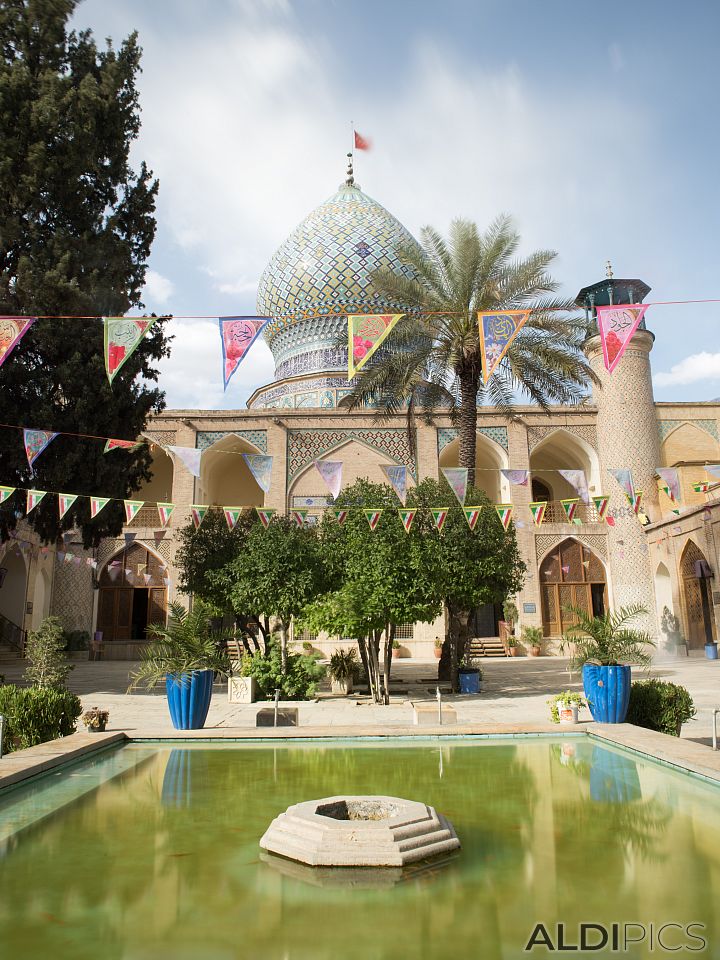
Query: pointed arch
pixel 132 592
pixel 696 595
pixel 571 574
pixel 225 478
pixel 563 450
pixel 159 488
pixel 663 590
pixel 14 585
pixel 490 459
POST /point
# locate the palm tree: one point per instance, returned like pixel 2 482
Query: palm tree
pixel 435 359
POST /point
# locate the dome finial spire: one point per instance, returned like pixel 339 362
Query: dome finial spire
pixel 609 270
pixel 349 172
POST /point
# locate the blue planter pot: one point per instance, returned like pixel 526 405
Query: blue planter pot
pixel 189 696
pixel 711 651
pixel 607 691
pixel 469 681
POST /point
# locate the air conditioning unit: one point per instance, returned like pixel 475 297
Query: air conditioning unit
pixel 702 570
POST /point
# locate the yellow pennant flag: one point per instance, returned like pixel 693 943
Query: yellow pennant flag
pixel 365 334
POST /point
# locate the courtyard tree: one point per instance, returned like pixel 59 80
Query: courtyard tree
pixel 472 567
pixel 278 572
pixel 383 577
pixel 76 226
pixel 433 356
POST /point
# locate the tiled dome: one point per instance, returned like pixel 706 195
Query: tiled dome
pixel 324 268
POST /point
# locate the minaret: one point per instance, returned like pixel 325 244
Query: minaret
pixel 628 438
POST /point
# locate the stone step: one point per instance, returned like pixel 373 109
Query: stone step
pixel 487 647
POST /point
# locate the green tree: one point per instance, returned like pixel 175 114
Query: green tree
pixel 45 651
pixel 76 226
pixel 277 573
pixel 435 358
pixel 472 567
pixel 382 578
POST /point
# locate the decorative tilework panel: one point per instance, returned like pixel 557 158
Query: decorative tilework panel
pixel 666 427
pixel 446 435
pixel 206 438
pixel 161 437
pixel 587 431
pixel 598 543
pixel 304 446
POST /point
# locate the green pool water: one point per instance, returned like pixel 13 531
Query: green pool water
pixel 152 851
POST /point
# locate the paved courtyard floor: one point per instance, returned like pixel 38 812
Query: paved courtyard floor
pixel 514 691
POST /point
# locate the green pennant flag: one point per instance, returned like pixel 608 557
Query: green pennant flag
pixel 132 508
pixel 6 493
pixel 570 506
pixel 33 499
pixel 299 516
pixel 601 505
pixel 406 517
pixel 472 515
pixel 537 509
pixel 165 511
pixel 372 517
pixel 197 512
pixel 65 501
pixel 232 515
pixel 340 515
pixel 97 504
pixel 504 512
pixel 266 515
pixel 439 515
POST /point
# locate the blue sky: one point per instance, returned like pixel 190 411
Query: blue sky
pixel 594 125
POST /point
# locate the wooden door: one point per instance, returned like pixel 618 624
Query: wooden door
pixel 115 612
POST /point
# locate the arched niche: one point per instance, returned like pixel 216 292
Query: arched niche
pixel 663 591
pixel 688 448
pixel 225 478
pixel 159 489
pixel 571 575
pixel 41 598
pixel 359 462
pixel 697 597
pixel 132 593
pixel 562 450
pixel 14 586
pixel 490 459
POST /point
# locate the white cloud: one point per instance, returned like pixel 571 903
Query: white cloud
pixel 158 289
pixel 698 366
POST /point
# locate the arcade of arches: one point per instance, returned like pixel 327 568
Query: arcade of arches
pixel 132 594
pixel 570 575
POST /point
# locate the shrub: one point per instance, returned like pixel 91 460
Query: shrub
pixel 37 714
pixel 343 665
pixel 45 650
pixel 300 681
pixel 660 706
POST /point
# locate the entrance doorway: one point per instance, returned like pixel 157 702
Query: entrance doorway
pixel 132 595
pixel 571 576
pixel 696 597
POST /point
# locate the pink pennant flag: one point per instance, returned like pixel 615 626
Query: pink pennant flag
pixel 577 480
pixel 624 478
pixel 12 330
pixel 616 325
pixel 457 477
pixel 35 443
pixel 122 445
pixel 671 478
pixel 237 335
pixel 122 336
pixel 147 577
pixel 397 477
pixel 518 478
pixel 331 473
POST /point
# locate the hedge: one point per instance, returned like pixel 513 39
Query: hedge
pixel 660 706
pixel 37 714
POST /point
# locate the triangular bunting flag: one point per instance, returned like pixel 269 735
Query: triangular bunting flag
pixel 299 516
pixel 189 457
pixel 457 477
pixel 504 512
pixel 65 501
pixel 601 505
pixel 331 473
pixel 96 505
pixel 365 334
pixel 472 515
pixel 261 469
pixel 12 330
pixel 439 515
pixel 636 501
pixel 570 506
pixel 702 486
pixel 32 499
pixel 237 335
pixel 671 480
pixel 616 326
pixel 406 518
pixel 372 517
pixel 519 478
pixel 537 509
pixel 122 445
pixel 266 515
pixel 130 538
pixel 497 331
pixel 713 469
pixel 131 509
pixel 397 477
pixel 576 479
pixel 165 511
pixel 35 443
pixel 232 515
pixel 197 512
pixel 340 515
pixel 624 478
pixel 676 512
pixel 122 336
pixel 6 493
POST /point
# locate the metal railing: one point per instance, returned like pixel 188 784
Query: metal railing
pixel 12 635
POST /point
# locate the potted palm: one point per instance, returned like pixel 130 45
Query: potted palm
pixel 512 646
pixel 606 647
pixel 343 667
pixel 533 639
pixel 186 653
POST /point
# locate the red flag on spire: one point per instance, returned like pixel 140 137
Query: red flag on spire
pixel 361 143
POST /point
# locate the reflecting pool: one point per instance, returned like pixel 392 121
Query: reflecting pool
pixel 151 851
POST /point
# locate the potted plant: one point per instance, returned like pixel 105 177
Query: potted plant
pixel 670 626
pixel 395 651
pixel 605 648
pixel 95 719
pixel 437 648
pixel 564 706
pixel 343 667
pixel 512 646
pixel 307 647
pixel 186 653
pixel 510 615
pixel 470 676
pixel 533 638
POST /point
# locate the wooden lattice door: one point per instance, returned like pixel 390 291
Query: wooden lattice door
pixel 570 576
pixel 693 596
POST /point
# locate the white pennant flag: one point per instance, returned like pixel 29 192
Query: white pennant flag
pixel 189 456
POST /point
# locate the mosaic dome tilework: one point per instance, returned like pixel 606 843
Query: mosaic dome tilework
pixel 323 267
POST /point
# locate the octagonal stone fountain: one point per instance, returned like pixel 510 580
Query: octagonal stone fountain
pixel 360 832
